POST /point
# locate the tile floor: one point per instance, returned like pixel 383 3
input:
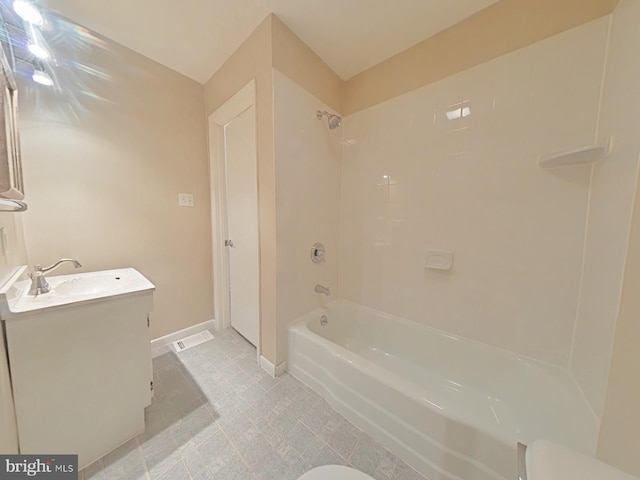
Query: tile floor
pixel 217 415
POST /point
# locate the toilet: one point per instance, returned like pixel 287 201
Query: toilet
pixel 334 472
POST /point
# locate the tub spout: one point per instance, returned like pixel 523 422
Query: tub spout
pixel 323 289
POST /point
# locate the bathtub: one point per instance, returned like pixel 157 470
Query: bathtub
pixel 452 408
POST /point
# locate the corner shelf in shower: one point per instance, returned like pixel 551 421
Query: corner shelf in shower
pixel 580 156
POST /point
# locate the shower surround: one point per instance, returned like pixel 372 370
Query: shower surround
pixel 453 166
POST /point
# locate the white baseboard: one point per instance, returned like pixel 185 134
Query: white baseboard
pixel 271 369
pixel 185 332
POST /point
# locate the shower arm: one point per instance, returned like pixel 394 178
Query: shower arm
pixel 333 121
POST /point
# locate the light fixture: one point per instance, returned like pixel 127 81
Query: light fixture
pixel 35 44
pixel 42 77
pixel 28 12
pixel 38 51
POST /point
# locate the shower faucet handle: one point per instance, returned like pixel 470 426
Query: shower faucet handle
pixel 317 253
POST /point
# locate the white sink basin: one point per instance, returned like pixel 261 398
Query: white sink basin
pixel 99 283
pixel 69 289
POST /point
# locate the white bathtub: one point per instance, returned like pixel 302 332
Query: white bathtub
pixel 450 407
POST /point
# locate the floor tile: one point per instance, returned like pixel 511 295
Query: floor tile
pixel 195 463
pixel 272 468
pixel 217 415
pixel 216 450
pixel 405 472
pixel 343 441
pixel 177 472
pixel 255 450
pixel 300 437
pixel 126 463
pixel 160 454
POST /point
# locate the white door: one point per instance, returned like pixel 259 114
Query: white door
pixel 242 223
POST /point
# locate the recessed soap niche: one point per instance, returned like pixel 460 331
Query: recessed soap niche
pixel 438 260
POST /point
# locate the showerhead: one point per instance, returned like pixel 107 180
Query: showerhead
pixel 334 121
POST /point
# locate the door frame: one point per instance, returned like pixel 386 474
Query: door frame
pixel 245 98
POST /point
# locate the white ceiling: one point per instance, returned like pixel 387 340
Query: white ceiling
pixel 195 37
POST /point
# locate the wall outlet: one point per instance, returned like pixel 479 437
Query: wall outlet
pixel 185 199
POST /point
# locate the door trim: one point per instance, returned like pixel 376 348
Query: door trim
pixel 237 104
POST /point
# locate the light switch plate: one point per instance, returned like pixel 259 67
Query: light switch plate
pixel 185 199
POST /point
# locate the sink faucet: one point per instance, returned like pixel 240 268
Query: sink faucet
pixel 39 283
pixel 323 289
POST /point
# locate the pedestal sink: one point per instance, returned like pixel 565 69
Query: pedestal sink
pixel 80 360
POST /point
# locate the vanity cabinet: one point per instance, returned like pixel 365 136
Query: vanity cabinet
pixel 8 433
pixel 81 375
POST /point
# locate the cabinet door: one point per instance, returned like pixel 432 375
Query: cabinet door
pixel 8 433
pixel 81 376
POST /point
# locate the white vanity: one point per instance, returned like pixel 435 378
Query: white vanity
pixel 80 361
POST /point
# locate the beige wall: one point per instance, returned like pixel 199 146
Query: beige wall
pixel 308 169
pixel 298 62
pixel 621 420
pixel 307 159
pixel 252 60
pixel 502 28
pixel 105 157
pixel 271 45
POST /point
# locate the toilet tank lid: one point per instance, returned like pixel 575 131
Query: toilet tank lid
pixel 549 461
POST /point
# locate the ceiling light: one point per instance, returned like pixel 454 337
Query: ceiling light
pixel 42 77
pixel 38 51
pixel 28 12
